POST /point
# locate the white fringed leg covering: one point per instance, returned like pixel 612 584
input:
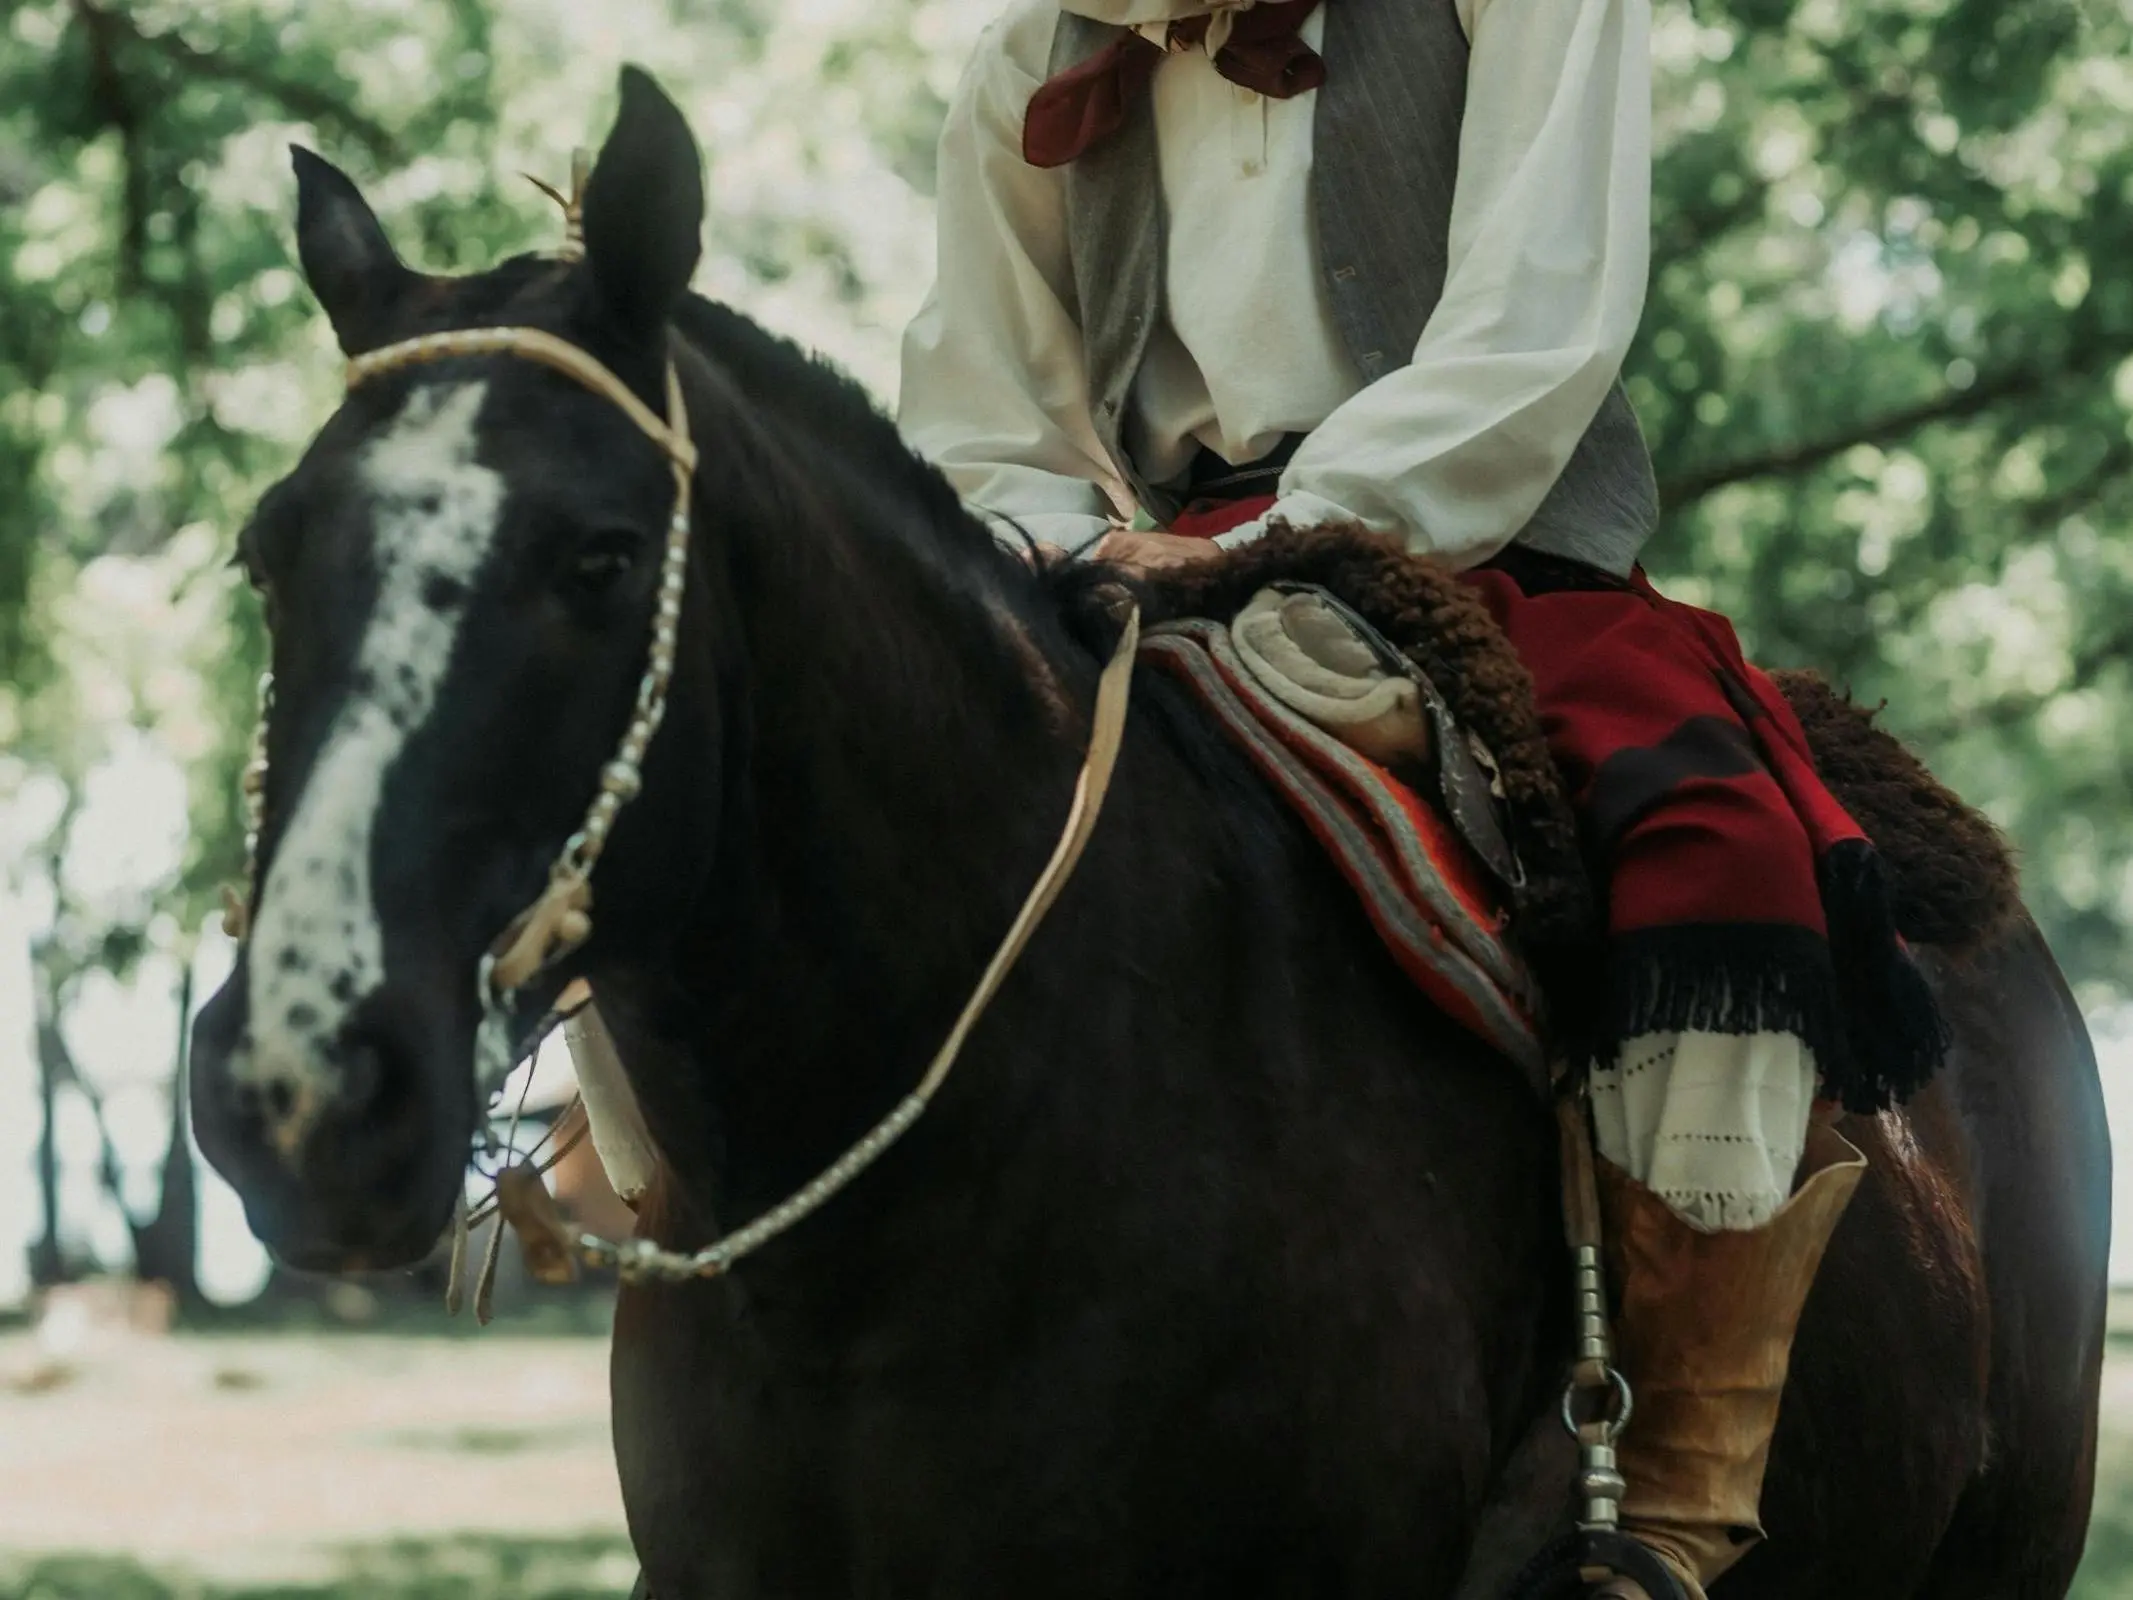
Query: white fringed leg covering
pixel 1712 1123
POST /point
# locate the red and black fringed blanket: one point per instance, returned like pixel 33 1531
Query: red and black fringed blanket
pixel 1740 896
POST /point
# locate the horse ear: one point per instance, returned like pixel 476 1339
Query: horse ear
pixel 644 208
pixel 346 257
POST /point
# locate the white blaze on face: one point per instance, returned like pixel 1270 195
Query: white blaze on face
pixel 316 947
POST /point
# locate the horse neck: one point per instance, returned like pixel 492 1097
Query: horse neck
pixel 901 755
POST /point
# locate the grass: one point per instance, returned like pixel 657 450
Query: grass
pixel 2107 1571
pixel 602 1569
pixel 464 1569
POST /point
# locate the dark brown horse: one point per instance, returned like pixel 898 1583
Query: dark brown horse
pixel 1225 1267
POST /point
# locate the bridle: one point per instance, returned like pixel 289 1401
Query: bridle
pixel 560 920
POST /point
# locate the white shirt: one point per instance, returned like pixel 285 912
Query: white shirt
pixel 1549 250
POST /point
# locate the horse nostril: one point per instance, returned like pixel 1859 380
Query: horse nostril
pixel 278 1100
pixel 283 1102
pixel 271 1107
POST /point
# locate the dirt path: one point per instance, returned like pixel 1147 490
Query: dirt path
pixel 265 1459
pixel 256 1457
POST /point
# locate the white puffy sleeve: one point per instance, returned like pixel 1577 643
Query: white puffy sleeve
pixel 994 387
pixel 1549 251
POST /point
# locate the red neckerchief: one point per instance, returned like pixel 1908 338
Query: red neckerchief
pixel 1085 105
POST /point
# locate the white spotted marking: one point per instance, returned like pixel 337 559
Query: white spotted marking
pixel 317 952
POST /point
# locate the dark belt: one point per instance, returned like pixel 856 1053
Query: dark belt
pixel 1537 573
pixel 1210 478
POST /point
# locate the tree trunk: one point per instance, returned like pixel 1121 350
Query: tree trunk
pixel 47 1265
pixel 167 1250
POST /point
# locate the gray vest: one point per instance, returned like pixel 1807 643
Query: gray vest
pixel 1387 142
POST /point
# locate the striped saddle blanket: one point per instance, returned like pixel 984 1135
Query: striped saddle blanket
pixel 1432 901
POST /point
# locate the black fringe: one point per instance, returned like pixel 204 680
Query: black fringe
pixel 1897 1035
pixel 1724 977
pixel 1857 999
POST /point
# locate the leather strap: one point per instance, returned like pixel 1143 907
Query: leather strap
pixel 532 344
pixel 641 1259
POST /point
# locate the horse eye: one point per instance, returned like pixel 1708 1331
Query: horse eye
pixel 604 560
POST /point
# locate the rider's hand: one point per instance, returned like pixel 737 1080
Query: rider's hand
pixel 1153 552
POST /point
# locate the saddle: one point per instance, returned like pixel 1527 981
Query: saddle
pixel 1367 752
pixel 1376 695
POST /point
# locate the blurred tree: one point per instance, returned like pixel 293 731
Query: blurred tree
pixel 136 299
pixel 1885 368
pixel 130 272
pixel 160 360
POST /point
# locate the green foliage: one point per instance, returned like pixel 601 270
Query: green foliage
pixel 463 1569
pixel 1886 375
pixel 131 265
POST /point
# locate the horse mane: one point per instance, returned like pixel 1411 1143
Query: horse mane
pixel 1075 600
pixel 772 368
pixel 801 387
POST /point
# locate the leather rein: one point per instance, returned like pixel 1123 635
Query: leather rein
pixel 560 921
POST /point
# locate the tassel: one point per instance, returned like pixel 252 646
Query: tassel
pixel 455 1289
pixel 1724 978
pixel 1897 1034
pixel 485 1285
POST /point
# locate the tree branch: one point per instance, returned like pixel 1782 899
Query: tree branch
pixel 302 100
pixel 52 1046
pixel 2048 513
pixel 115 108
pixel 1686 488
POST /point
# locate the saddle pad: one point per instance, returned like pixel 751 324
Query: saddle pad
pixel 1420 887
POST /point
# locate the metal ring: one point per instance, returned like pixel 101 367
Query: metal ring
pixel 1625 1401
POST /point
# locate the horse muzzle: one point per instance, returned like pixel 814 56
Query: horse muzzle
pixel 347 1158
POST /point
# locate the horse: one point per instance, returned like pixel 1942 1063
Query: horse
pixel 1226 1265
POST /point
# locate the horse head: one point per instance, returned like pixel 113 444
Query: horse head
pixel 461 578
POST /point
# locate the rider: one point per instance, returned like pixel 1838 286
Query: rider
pixel 1379 261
